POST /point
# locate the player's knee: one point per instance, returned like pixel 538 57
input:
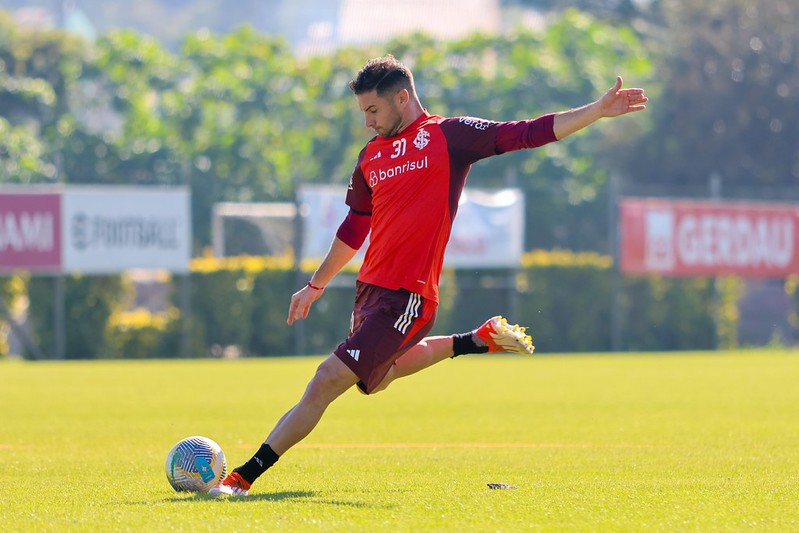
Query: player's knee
pixel 327 384
pixel 319 390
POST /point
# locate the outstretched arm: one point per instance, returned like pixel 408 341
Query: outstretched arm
pixel 338 256
pixel 615 102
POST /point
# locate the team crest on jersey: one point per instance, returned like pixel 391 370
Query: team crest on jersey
pixel 422 139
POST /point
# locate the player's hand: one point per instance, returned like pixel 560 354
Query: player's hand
pixel 301 302
pixel 618 101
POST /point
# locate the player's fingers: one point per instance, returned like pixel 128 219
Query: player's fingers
pixel 292 311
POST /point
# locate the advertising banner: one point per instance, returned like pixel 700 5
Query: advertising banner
pixel 488 231
pixel 705 238
pixel 109 230
pixel 30 232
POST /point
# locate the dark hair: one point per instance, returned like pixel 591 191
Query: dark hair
pixel 385 75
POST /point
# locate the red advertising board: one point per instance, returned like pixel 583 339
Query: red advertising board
pixel 30 232
pixel 705 238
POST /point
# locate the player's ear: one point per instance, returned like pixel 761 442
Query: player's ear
pixel 402 97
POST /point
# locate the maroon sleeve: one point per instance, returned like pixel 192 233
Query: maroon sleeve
pixel 525 133
pixel 473 139
pixel 359 195
pixel 354 229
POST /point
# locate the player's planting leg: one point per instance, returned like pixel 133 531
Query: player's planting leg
pixel 332 378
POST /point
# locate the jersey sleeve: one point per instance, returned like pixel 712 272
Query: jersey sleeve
pixel 354 229
pixel 523 134
pixel 359 194
pixel 473 139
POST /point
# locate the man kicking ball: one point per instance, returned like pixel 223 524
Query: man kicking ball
pixel 405 190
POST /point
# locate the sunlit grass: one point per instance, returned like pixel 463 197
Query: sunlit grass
pixel 592 442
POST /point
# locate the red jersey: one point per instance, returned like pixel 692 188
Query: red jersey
pixel 411 183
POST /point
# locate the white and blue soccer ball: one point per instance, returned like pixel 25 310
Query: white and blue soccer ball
pixel 195 464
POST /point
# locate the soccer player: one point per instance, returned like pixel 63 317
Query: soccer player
pixel 405 190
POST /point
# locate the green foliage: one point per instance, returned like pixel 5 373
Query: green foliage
pixel 564 297
pixel 239 306
pixel 271 290
pixel 88 304
pixel 728 292
pixel 729 72
pixel 37 69
pixel 245 308
pixel 569 307
pixel 222 308
pixel 669 314
pixel 8 296
pixel 243 125
pixel 621 11
pixel 23 155
pixel 141 334
pixel 572 308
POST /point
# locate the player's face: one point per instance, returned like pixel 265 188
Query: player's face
pixel 382 114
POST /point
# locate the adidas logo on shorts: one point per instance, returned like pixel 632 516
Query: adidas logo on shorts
pixel 355 354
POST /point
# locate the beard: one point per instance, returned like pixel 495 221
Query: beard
pixel 394 129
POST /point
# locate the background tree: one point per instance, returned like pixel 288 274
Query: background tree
pixel 116 132
pixel 36 70
pixel 731 90
pixel 246 120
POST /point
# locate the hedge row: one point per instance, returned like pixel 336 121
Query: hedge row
pixel 239 306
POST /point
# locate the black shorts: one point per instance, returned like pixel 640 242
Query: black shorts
pixel 385 324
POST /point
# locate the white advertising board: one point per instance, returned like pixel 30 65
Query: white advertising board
pixel 108 230
pixel 488 231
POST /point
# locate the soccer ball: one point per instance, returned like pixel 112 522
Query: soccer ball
pixel 195 464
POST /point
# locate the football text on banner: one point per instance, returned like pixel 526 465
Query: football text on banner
pixel 704 238
pixel 110 230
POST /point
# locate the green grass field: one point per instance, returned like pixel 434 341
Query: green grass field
pixel 689 442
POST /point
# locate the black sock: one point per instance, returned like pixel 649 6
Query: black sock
pixel 258 463
pixel 463 343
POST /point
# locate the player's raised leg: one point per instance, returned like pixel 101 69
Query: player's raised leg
pixel 500 336
pixel 427 352
pixel 495 335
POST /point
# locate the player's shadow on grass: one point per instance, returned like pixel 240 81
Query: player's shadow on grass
pixel 306 495
pixel 264 496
